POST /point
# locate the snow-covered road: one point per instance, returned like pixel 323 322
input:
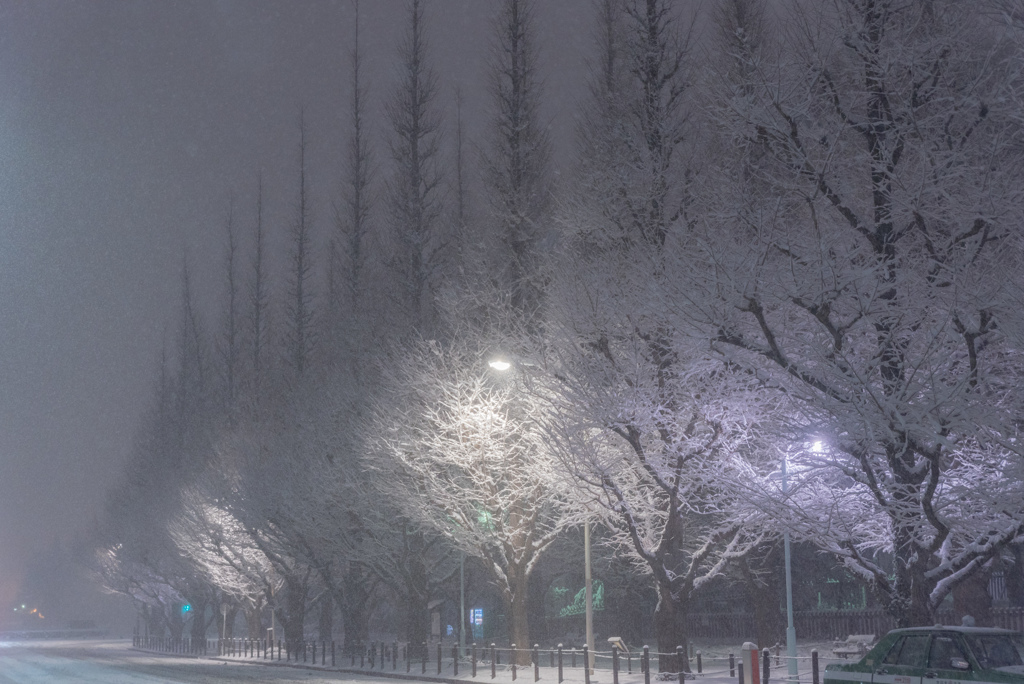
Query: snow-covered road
pixel 114 662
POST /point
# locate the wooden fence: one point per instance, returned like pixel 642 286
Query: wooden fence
pixel 834 624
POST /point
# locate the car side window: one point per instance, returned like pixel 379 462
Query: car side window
pixel 943 651
pixel 996 650
pixel 894 653
pixel 914 651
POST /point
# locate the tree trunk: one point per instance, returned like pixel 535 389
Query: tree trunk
pixel 908 603
pixel 535 607
pixel 516 598
pixel 416 624
pixel 154 620
pixel 1015 576
pixel 199 622
pixel 353 598
pixel 325 626
pixel 175 621
pixel 293 614
pixel 355 616
pixel 670 631
pixel 763 594
pixel 971 597
pixel 254 621
pixel 416 620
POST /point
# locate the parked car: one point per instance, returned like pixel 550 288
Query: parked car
pixel 937 655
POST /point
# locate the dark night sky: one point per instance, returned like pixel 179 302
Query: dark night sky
pixel 124 127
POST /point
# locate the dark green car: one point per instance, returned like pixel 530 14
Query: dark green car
pixel 938 655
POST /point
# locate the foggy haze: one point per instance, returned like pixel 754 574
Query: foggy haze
pixel 124 130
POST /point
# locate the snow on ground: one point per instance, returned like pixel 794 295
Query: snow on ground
pixel 116 662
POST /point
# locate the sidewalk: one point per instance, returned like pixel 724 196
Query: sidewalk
pixel 714 666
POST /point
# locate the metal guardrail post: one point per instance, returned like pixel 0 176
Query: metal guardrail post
pixel 536 662
pixel 739 672
pixel 646 666
pixel 681 664
pixel 700 664
pixel 615 664
pixel 560 664
pixel 814 666
pixel 766 658
pixel 586 665
pixel 732 665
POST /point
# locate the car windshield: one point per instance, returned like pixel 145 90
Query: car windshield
pixel 995 651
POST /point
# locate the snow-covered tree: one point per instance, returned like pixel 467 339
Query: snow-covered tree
pixel 661 436
pixel 657 431
pixel 462 449
pixel 859 256
pixel 221 549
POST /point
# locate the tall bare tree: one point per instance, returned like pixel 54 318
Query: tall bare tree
pixel 300 334
pixel 349 284
pixel 259 304
pixel 415 191
pixel 231 337
pixel 518 154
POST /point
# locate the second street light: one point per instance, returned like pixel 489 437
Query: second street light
pixel 790 628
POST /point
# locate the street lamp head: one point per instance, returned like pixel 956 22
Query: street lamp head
pixel 500 365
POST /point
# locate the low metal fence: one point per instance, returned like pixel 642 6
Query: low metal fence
pixel 486 661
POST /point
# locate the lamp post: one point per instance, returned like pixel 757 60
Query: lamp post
pixel 589 593
pixel 462 603
pixel 790 629
pixel 223 621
